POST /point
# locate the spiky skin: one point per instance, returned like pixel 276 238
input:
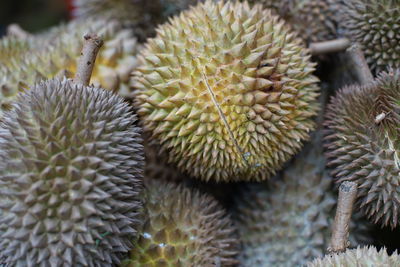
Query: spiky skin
pixel 140 15
pixel 183 228
pixel 313 20
pixel 229 98
pixel 375 25
pixel 366 256
pixel 364 147
pixel 114 64
pixel 288 222
pixel 71 164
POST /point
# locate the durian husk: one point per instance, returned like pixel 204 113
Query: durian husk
pixel 183 228
pixel 313 20
pixel 140 15
pixel 361 256
pixel 375 25
pixel 227 100
pixel 288 221
pixel 114 64
pixel 363 144
pixel 71 166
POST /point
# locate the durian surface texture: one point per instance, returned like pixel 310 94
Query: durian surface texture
pixel 114 64
pixel 287 222
pixel 227 90
pixel 375 25
pixel 360 257
pixel 313 20
pixel 363 144
pixel 71 164
pixel 183 228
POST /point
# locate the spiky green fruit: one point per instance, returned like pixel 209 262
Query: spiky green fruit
pixel 375 25
pixel 313 20
pixel 363 144
pixel 288 222
pixel 183 228
pixel 114 64
pixel 227 90
pixel 366 256
pixel 71 168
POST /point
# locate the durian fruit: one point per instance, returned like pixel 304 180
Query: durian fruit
pixel 363 144
pixel 227 90
pixel 375 25
pixel 114 64
pixel 183 228
pixel 314 20
pixel 362 257
pixel 288 221
pixel 140 15
pixel 11 47
pixel 71 163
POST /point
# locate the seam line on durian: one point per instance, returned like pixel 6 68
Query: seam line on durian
pixel 221 114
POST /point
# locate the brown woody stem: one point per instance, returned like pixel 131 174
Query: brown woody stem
pixel 340 232
pixel 331 46
pixel 91 47
pixel 16 31
pixel 360 65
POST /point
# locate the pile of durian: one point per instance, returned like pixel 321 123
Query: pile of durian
pixel 211 133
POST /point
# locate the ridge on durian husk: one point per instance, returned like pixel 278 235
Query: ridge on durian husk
pixel 183 228
pixel 288 221
pixel 230 98
pixel 364 147
pixel 313 20
pixel 115 61
pixel 375 25
pixel 71 163
pixel 360 257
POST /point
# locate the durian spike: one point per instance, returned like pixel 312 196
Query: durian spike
pixel 357 59
pixel 331 46
pixel 340 230
pixel 16 31
pixel 86 62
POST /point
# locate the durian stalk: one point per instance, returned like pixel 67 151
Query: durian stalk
pixel 340 232
pixel 87 59
pixel 357 59
pixel 331 46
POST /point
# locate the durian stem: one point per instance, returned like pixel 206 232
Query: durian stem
pixel 340 231
pixel 91 47
pixel 16 31
pixel 331 46
pixel 357 60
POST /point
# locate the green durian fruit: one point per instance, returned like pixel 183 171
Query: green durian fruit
pixel 114 64
pixel 313 20
pixel 360 257
pixel 375 25
pixel 71 163
pixel 288 221
pixel 227 90
pixel 363 144
pixel 183 228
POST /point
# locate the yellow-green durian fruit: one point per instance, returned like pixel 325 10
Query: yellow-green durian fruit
pixel 227 90
pixel 114 63
pixel 183 228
